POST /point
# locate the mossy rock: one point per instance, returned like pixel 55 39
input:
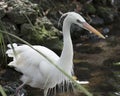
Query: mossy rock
pixel 34 34
pixel 103 11
pixel 41 36
pixel 89 8
pixel 106 13
pixel 20 12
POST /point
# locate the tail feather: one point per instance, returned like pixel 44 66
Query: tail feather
pixel 14 45
pixel 10 51
pixel 12 64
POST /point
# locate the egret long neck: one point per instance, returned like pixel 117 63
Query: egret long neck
pixel 67 52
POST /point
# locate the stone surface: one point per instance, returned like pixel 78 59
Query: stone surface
pixel 20 11
pixel 3 5
pixel 89 8
pixel 106 13
pixel 96 20
pixel 2 13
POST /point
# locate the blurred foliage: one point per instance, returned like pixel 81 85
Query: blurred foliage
pixel 2 91
pixel 2 47
pixel 89 8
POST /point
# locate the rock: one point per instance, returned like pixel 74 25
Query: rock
pixel 89 8
pixel 106 13
pixel 106 30
pixel 18 10
pixel 96 20
pixel 2 13
pixel 45 22
pixel 9 26
pixel 49 33
pixel 43 33
pixel 3 5
pixel 27 32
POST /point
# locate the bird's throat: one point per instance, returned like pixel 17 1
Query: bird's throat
pixel 66 57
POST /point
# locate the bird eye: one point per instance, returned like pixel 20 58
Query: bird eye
pixel 78 21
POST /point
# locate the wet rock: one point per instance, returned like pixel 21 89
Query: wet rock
pixel 96 20
pixel 18 10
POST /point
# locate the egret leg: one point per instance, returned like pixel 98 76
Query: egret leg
pixel 18 89
pixel 45 92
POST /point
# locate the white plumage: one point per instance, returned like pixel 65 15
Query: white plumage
pixel 37 70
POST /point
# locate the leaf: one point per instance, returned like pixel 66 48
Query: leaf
pixel 118 63
pixel 2 91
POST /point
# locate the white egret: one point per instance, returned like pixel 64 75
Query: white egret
pixel 36 69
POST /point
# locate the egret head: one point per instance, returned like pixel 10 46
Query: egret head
pixel 80 21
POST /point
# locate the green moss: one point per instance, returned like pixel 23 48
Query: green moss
pixel 90 9
pixel 103 11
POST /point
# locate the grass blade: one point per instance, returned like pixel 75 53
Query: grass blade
pixel 2 91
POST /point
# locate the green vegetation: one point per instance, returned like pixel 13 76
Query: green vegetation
pixel 90 9
pixel 2 91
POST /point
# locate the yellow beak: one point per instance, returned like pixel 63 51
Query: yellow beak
pixel 92 29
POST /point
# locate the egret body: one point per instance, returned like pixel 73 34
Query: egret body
pixel 36 69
